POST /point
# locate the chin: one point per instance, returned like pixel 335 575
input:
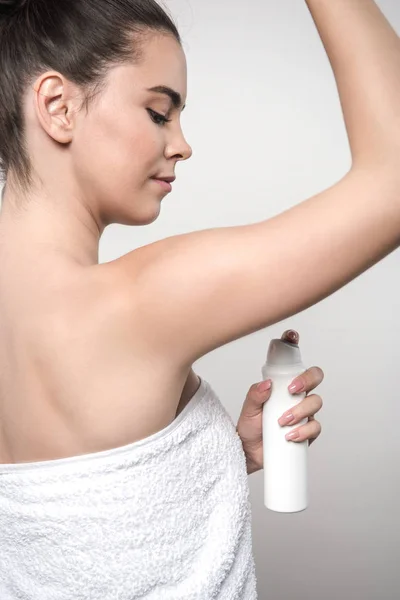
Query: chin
pixel 144 217
pixel 148 221
pixel 152 214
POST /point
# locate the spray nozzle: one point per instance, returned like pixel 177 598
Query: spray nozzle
pixel 283 352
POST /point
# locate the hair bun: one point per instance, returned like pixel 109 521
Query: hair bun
pixel 9 7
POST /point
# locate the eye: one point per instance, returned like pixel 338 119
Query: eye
pixel 157 118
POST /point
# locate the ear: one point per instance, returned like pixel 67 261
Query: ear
pixel 56 105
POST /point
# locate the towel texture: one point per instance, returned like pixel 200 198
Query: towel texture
pixel 168 517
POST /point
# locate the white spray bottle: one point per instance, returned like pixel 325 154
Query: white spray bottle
pixel 285 462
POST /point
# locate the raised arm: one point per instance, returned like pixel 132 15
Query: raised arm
pixel 196 292
pixel 364 52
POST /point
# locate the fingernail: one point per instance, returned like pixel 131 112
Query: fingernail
pixel 286 419
pixel 297 386
pixel 293 335
pixel 293 436
pixel 264 386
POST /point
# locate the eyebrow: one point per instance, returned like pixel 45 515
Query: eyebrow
pixel 175 96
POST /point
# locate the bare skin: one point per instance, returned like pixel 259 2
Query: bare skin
pixel 74 378
pixel 78 373
pixel 93 357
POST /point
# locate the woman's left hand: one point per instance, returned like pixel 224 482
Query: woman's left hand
pixel 249 426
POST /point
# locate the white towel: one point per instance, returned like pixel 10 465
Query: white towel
pixel 168 517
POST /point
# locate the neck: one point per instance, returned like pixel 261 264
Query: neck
pixel 49 228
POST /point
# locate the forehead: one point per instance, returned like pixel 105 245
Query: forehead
pixel 163 63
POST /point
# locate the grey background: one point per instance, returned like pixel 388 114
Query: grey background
pixel 264 120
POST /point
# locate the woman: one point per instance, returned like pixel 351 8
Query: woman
pixel 122 476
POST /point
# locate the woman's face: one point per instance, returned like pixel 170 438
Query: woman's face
pixel 123 141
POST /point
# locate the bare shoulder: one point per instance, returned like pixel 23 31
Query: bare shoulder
pixel 88 358
pixel 116 286
pixel 97 315
pixel 97 304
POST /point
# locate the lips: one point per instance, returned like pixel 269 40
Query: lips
pixel 167 178
pixel 163 183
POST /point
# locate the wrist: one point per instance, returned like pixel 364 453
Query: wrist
pixel 251 467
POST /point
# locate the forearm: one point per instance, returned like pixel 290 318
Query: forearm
pixel 364 52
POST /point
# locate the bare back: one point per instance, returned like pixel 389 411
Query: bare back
pixel 78 371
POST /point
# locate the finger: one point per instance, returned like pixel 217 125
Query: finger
pixel 292 336
pixel 305 409
pixel 311 431
pixel 307 381
pixel 256 397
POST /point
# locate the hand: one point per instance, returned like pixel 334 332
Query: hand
pixel 249 426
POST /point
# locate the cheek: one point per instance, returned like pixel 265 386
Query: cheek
pixel 111 144
pixel 145 147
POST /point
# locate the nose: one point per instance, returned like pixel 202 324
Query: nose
pixel 178 147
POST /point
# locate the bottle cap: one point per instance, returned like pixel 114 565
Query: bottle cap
pixel 283 353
